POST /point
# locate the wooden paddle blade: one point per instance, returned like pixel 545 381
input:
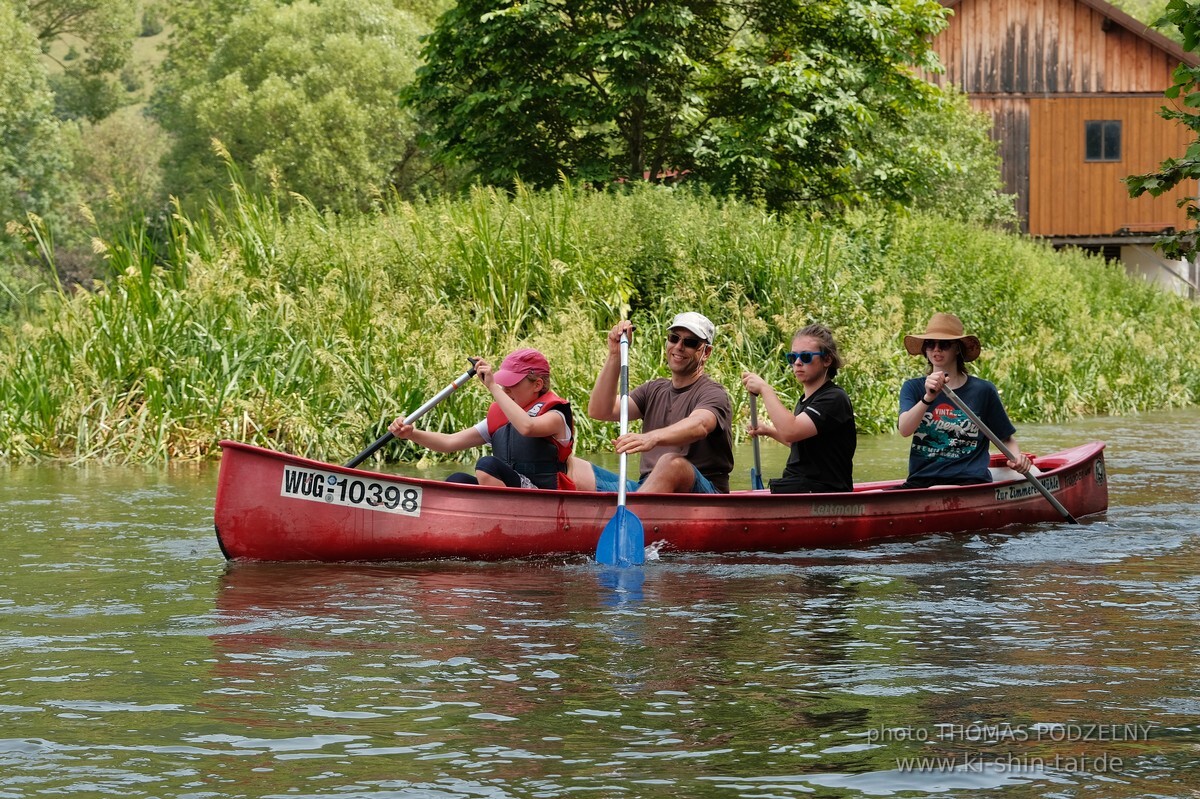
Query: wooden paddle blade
pixel 623 541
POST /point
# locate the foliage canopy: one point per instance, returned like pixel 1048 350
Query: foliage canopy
pixel 305 95
pixel 33 160
pixel 778 100
pixel 104 30
pixel 106 27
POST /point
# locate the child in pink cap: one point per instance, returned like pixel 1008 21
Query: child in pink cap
pixel 530 428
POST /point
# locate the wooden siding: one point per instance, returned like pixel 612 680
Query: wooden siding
pixel 1069 196
pixel 1048 47
pixel 1010 129
pixel 1040 69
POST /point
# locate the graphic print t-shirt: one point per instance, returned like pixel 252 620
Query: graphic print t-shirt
pixel 947 446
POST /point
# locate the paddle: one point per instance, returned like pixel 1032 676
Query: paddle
pixel 417 414
pixel 962 406
pixel 623 541
pixel 756 482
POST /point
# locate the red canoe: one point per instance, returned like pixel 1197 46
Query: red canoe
pixel 277 507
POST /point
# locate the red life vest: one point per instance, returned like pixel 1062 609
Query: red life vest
pixel 542 459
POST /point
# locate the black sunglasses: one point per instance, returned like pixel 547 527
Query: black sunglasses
pixel 689 342
pixel 805 357
pixel 938 344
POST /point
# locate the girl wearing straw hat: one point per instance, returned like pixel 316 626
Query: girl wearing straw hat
pixel 947 448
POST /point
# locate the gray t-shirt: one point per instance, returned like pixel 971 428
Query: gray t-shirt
pixel 662 405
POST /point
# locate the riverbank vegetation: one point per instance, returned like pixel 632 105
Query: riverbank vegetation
pixel 308 331
pixel 381 205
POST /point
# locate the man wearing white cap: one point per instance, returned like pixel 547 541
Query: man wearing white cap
pixel 685 443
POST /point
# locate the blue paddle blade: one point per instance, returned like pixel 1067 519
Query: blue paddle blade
pixel 755 479
pixel 623 542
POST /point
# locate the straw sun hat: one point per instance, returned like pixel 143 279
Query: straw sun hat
pixel 944 327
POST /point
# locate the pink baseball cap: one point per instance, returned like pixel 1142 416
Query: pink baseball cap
pixel 519 365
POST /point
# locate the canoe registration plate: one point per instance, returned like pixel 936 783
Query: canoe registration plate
pixel 354 492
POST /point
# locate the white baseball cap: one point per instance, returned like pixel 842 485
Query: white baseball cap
pixel 697 323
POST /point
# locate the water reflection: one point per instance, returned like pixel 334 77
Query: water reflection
pixel 622 587
pixel 592 658
pixel 136 662
pixel 615 674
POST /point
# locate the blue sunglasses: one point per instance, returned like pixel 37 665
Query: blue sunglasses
pixel 805 357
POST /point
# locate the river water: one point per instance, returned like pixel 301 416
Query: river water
pixel 1047 661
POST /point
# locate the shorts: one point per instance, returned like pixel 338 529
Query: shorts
pixel 609 481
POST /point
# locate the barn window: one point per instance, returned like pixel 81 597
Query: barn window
pixel 1103 140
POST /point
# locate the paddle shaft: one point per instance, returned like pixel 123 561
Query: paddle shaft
pixel 1036 483
pixel 623 541
pixel 624 470
pixel 415 415
pixel 756 478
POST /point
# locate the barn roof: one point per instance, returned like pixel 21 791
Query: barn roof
pixel 1119 17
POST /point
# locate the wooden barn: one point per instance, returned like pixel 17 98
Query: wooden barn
pixel 1074 88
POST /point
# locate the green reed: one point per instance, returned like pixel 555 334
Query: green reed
pixel 309 332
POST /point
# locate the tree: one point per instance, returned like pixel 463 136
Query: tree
pixel 118 164
pixel 304 96
pixel 1150 12
pixel 1185 94
pixel 952 163
pixel 85 87
pixel 81 96
pixel 33 160
pixel 106 26
pixel 781 100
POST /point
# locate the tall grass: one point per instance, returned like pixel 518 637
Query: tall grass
pixel 308 332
